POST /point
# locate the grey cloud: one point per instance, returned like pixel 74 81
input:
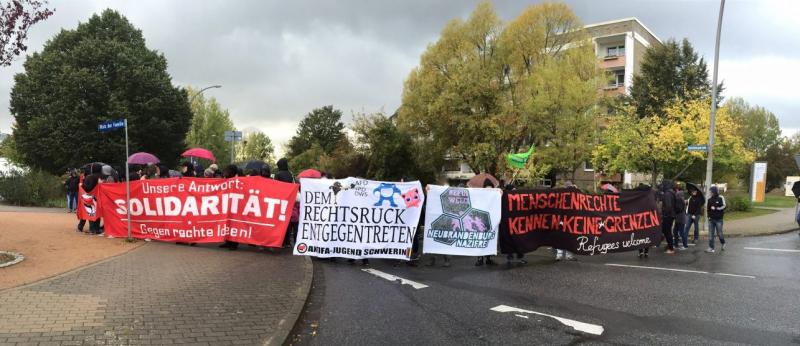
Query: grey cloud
pixel 277 60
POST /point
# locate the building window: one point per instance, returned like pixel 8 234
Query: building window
pixel 615 51
pixel 587 166
pixel 617 79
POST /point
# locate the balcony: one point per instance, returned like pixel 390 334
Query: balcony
pixel 614 90
pixel 611 62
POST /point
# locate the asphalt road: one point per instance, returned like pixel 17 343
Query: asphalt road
pixel 739 296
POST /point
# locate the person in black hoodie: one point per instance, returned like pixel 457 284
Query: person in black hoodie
pixel 716 212
pixel 681 236
pixel 72 191
pixel 667 213
pixel 89 183
pixel 283 173
pixel 693 213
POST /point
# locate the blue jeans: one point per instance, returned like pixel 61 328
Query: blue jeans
pixel 72 201
pixel 797 218
pixel 715 227
pixel 680 231
pixel 696 223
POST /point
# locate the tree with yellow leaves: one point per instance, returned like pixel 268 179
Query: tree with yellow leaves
pixel 659 145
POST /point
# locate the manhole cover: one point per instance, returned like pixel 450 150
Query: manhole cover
pixel 10 258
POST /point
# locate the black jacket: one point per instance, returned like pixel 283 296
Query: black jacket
pixel 680 206
pixel 718 202
pixel 696 204
pixel 667 200
pixel 283 173
pixel 72 184
pixel 90 182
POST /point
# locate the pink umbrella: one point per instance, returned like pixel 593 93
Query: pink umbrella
pixel 310 173
pixel 143 158
pixel 199 153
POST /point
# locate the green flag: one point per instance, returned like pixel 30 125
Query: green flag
pixel 520 159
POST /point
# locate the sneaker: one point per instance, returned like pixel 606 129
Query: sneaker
pixel 148 240
pixel 446 264
pixel 570 258
pixel 479 262
pixel 682 248
pixel 641 254
pixel 490 262
pixel 710 250
pixel 669 252
pixel 522 261
pixel 101 234
pixel 723 247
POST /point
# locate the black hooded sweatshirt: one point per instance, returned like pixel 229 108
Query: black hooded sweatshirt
pixel 668 200
pixel 283 173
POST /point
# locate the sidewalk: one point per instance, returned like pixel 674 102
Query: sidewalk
pixel 16 209
pixel 779 222
pixel 162 294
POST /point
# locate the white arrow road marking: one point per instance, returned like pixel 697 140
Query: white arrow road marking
pixel 391 277
pixel 577 325
pixel 765 249
pixel 680 270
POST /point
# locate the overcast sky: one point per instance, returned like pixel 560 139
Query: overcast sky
pixel 277 60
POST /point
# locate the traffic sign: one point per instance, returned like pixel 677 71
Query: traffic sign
pixel 233 136
pixel 698 147
pixel 111 125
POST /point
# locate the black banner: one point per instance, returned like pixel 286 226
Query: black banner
pixel 585 224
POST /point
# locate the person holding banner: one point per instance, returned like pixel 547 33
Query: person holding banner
pixel 487 184
pixel 668 213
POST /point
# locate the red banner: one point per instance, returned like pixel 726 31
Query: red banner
pixel 250 210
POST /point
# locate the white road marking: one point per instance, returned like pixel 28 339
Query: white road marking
pixel 766 249
pixel 523 316
pixel 391 277
pixel 577 325
pixel 680 270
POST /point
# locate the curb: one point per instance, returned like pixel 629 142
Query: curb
pixel 286 325
pixel 759 234
pixel 87 266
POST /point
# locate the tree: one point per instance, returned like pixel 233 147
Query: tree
pixel 659 144
pixel 780 161
pixel 759 128
pixel 485 89
pixel 16 18
pixel 256 146
pixel 99 71
pixel 669 73
pixel 322 126
pixel 388 149
pixel 209 123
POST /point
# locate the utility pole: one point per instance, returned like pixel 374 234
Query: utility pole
pixel 710 162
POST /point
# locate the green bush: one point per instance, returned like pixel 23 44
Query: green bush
pixel 740 203
pixel 31 188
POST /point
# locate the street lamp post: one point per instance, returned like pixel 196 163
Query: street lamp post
pixel 201 91
pixel 712 125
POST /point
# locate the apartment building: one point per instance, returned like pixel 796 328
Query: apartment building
pixel 620 46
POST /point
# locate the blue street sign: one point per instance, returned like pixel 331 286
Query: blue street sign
pixel 702 147
pixel 111 125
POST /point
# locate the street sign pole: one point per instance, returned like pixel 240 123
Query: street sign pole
pixel 712 124
pixel 128 182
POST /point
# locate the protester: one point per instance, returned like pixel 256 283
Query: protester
pixel 89 183
pixel 163 171
pixel 187 169
pixel 283 173
pixel 72 190
pixel 667 213
pixel 228 172
pixel 716 212
pixel 208 173
pixel 266 172
pixel 487 184
pixel 566 255
pixel 215 168
pixel 694 210
pixel 151 172
pixel 108 174
pixel 679 231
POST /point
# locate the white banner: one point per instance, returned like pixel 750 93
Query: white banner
pixel 358 218
pixel 462 221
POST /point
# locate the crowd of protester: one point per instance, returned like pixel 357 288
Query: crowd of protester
pixel 678 213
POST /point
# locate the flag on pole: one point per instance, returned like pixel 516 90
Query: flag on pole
pixel 519 160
